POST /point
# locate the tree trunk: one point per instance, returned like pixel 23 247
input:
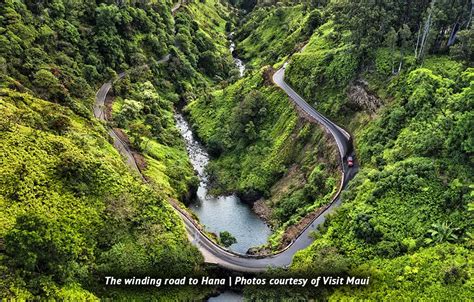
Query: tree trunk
pixel 470 15
pixel 400 65
pixel 417 41
pixel 426 31
pixel 452 36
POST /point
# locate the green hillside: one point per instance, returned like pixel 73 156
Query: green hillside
pixel 72 212
pixel 406 218
pixel 257 137
pixel 397 75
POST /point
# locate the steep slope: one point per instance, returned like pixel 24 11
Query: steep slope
pixel 414 188
pixel 279 32
pixel 412 124
pixel 200 57
pixel 264 149
pixel 72 212
pixel 146 97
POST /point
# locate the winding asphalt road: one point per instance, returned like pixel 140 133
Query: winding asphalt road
pixel 343 139
pixel 215 254
pixel 212 252
pixel 176 6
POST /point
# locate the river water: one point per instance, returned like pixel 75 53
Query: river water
pixel 227 296
pixel 238 62
pixel 221 213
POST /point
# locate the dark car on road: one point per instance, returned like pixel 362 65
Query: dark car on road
pixel 350 161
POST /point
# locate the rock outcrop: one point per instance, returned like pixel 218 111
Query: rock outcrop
pixel 360 96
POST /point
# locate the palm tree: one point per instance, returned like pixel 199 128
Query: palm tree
pixel 441 233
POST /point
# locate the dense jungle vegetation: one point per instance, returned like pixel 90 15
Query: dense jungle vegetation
pixel 71 210
pixel 255 133
pixel 146 98
pixel 398 75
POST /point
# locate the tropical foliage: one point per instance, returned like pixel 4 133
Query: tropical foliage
pixel 72 212
pixel 257 137
pixel 397 74
pixel 399 77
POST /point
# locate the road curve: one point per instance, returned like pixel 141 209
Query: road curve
pixel 176 6
pixel 212 252
pixel 215 254
pixel 342 138
pixel 99 113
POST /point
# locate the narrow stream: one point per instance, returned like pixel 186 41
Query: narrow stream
pixel 227 296
pixel 221 213
pixel 238 62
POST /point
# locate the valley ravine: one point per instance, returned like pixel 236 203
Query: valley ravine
pixel 221 213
